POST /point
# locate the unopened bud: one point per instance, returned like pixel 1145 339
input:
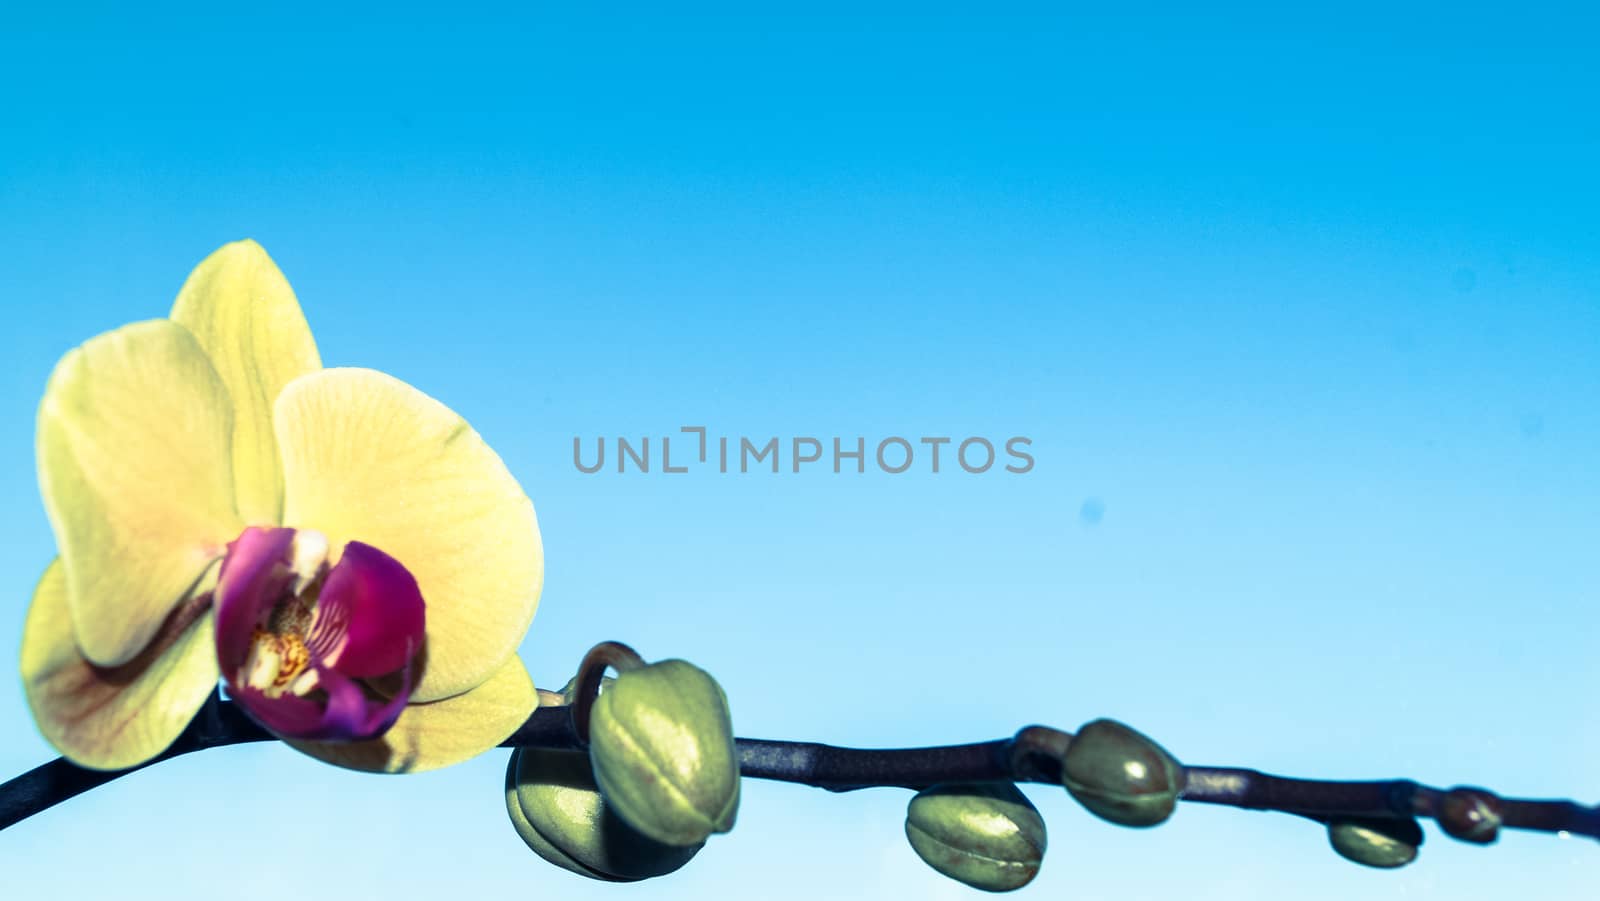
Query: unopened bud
pixel 662 745
pixel 986 835
pixel 1381 843
pixel 1470 814
pixel 1121 775
pixel 558 810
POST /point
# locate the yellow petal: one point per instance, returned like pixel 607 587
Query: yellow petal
pixel 441 733
pixel 242 311
pixel 368 458
pixel 134 467
pixel 113 718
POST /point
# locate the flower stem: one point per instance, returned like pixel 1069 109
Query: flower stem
pixel 218 724
pixel 1032 755
pixel 591 672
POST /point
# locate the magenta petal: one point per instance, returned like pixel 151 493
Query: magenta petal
pixel 352 716
pixel 369 619
pixel 365 620
pixel 348 715
pixel 285 716
pixel 254 575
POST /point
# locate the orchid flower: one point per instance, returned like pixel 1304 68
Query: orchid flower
pixel 343 550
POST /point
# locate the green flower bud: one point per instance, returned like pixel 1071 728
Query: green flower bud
pixel 557 809
pixel 1381 843
pixel 986 835
pixel 1121 775
pixel 1470 814
pixel 662 746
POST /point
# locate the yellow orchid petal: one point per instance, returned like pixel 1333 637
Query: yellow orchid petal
pixel 368 458
pixel 133 457
pixel 113 718
pixel 245 316
pixel 441 733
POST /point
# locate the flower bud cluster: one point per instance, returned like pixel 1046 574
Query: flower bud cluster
pixel 660 776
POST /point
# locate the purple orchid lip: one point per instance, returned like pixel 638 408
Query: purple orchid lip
pixel 296 640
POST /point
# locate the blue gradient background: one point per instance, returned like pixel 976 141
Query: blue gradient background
pixel 1304 305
